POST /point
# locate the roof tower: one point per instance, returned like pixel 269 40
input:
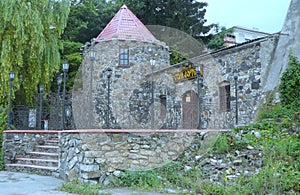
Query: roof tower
pixel 125 25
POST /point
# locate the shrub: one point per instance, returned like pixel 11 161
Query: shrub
pixel 290 84
pixel 224 143
pixel 138 179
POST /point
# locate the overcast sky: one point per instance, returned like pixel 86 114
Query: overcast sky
pixel 266 15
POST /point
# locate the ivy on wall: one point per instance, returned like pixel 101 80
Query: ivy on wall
pixel 290 84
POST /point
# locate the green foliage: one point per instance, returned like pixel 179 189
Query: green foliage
pixel 138 179
pixel 169 175
pixel 223 144
pixel 187 16
pixel 177 57
pixel 3 119
pixel 29 43
pixel 3 125
pixel 80 188
pixel 71 53
pixel 84 22
pixel 217 42
pixel 277 111
pixel 290 84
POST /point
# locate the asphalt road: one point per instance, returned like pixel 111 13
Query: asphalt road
pixel 15 183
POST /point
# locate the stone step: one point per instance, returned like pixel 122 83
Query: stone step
pixel 47 146
pixel 38 160
pixel 43 154
pixel 32 166
pixel 52 141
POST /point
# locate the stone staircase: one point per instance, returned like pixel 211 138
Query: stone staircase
pixel 43 159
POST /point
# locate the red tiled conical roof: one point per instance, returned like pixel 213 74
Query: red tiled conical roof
pixel 125 25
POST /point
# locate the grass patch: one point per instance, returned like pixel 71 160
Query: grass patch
pixel 138 179
pixel 80 188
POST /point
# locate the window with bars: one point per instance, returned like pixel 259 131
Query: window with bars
pixel 124 56
pixel 224 97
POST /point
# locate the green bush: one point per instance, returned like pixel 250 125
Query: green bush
pixel 290 84
pixel 138 179
pixel 277 112
pixel 224 144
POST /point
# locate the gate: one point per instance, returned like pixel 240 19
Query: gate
pixel 25 117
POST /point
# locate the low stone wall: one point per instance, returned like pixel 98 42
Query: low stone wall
pixel 96 156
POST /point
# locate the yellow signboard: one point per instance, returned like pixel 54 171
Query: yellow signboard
pixel 187 72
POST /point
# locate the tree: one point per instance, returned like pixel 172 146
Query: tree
pixel 217 41
pixel 184 15
pixel 29 43
pixel 83 23
pixel 72 55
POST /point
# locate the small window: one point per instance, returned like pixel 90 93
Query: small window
pixel 224 97
pixel 163 105
pixel 124 56
pixel 188 97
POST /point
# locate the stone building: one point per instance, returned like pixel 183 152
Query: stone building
pixel 138 95
pixel 124 98
pixel 126 47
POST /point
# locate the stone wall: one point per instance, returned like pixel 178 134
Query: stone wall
pixel 91 100
pixel 249 60
pixel 94 156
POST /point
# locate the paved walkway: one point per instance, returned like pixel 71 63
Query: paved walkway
pixel 15 183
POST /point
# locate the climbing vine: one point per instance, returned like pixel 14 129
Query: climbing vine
pixel 30 33
pixel 290 84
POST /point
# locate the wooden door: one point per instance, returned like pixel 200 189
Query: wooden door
pixel 190 110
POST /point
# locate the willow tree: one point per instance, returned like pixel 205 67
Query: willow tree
pixel 30 33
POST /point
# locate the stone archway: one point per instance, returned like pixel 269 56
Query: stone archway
pixel 189 110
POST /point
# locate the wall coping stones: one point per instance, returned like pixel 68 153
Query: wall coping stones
pixel 32 131
pixel 119 131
